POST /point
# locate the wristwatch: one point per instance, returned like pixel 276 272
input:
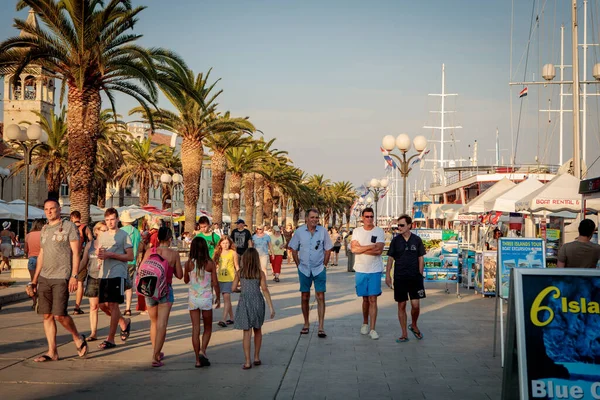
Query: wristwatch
pixel 74 276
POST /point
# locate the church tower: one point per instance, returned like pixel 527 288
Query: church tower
pixel 33 90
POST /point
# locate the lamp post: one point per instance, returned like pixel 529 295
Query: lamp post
pixel 112 190
pixel 402 142
pixel 29 139
pixel 230 197
pixel 4 173
pixel 377 187
pixel 172 180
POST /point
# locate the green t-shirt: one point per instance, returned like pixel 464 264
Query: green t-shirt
pixel 135 237
pixel 212 239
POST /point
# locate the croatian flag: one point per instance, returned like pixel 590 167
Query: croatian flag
pixel 523 92
pixel 418 159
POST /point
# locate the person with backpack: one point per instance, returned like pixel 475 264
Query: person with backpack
pixel 154 280
pixel 85 236
pixel 201 275
pixel 204 232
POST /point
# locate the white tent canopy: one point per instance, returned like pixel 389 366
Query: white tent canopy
pixel 506 201
pixel 96 213
pixel 560 194
pixel 7 212
pixel 19 207
pixel 135 211
pixel 477 205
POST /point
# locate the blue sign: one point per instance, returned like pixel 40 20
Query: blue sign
pixel 518 253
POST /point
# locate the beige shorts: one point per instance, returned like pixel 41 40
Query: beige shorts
pixel 6 249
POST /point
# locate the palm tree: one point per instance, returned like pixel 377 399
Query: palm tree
pixel 87 44
pixel 320 186
pixel 194 120
pixel 240 160
pixel 344 195
pixel 51 158
pixel 143 164
pixel 219 143
pixel 112 137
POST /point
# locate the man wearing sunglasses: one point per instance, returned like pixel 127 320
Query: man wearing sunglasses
pixel 367 245
pixel 406 253
pixel 311 247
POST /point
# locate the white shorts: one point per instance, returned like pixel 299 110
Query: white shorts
pixel 200 303
pixel 264 263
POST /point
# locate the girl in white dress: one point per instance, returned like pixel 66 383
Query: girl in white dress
pixel 200 274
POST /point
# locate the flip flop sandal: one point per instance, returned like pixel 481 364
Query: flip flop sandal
pixel 157 364
pixel 322 334
pixel 127 313
pixel 92 339
pixel 304 331
pixel 83 346
pixel 161 356
pixel 246 367
pixel 402 340
pixel 417 334
pixel 106 345
pixel 204 361
pixel 125 334
pixel 44 358
pixel 222 324
pixel 257 363
pixel 229 322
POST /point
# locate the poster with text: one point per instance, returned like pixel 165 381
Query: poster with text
pixel 441 258
pixel 558 326
pixel 518 253
pixel 488 273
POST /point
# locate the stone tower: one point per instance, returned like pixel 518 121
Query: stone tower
pixel 33 90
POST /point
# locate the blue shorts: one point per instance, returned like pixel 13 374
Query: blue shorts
pixel 368 284
pixel 169 298
pixel 306 282
pixel 32 263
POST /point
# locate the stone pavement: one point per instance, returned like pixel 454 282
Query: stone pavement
pixel 453 361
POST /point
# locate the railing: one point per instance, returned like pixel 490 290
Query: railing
pixel 457 174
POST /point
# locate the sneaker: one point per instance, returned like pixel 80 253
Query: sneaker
pixel 364 329
pixel 373 334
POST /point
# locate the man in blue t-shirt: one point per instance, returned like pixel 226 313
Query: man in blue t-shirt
pixel 406 252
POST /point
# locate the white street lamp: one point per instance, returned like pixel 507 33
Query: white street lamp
pixel 172 181
pixel 403 143
pixel 28 139
pixel 377 187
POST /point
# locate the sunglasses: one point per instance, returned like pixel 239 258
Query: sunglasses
pixel 401 225
pixel 368 216
pixel 318 244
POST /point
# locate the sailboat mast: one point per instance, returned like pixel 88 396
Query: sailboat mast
pixel 576 116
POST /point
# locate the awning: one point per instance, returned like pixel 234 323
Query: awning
pixel 135 211
pixel 96 213
pixel 506 201
pixel 560 194
pixel 477 205
pixel 33 212
pixel 6 212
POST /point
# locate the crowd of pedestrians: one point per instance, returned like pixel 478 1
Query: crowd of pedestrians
pixel 107 263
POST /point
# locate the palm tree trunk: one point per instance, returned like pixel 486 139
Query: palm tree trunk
pixel 144 192
pixel 249 199
pixel 296 215
pixel 348 215
pixel 191 162
pixel 326 218
pixel 284 201
pixel 53 182
pixel 235 186
pixel 268 200
pixel 259 189
pixel 102 195
pixel 82 127
pixel 219 172
pixel 334 219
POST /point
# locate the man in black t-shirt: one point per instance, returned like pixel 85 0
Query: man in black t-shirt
pixel 407 251
pixel 241 237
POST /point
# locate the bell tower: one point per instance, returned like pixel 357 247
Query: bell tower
pixel 32 91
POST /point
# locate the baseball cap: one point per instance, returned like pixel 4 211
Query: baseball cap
pixel 240 221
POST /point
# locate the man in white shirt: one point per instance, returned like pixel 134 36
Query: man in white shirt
pixel 367 245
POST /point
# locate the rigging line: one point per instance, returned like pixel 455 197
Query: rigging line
pixel 535 26
pixel 590 167
pixel 524 78
pixel 554 30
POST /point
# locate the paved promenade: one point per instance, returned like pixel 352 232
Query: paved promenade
pixel 453 361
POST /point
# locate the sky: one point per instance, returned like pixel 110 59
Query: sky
pixel 328 79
